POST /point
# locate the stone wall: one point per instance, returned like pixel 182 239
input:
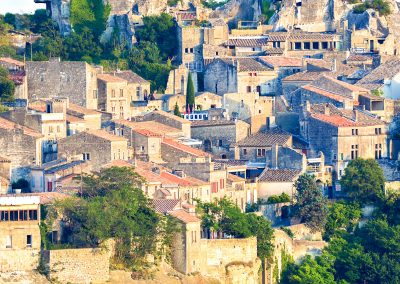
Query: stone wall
pixel 220 78
pixel 19 260
pixel 78 265
pixel 23 151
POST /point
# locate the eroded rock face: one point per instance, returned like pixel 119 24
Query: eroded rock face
pixel 310 15
pixel 234 10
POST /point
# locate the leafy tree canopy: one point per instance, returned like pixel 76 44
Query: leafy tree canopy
pixel 363 181
pixel 311 206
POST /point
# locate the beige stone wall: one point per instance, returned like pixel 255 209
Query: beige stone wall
pixel 91 86
pixel 247 105
pixel 19 260
pixel 78 265
pixel 265 80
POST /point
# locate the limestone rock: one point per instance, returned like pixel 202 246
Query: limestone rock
pixel 234 10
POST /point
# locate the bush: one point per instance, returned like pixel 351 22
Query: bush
pixel 381 6
pixel 278 198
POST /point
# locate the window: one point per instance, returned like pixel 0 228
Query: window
pixel 214 187
pixel 8 241
pixel 260 152
pixel 222 183
pixel 186 50
pixel 334 157
pixel 219 142
pixel 113 93
pixel 50 128
pixel 113 109
pixel 33 215
pixel 378 131
pixel 258 89
pixel 14 215
pixel 95 94
pixel 378 151
pixel 341 156
pixel 248 89
pixel 138 91
pixel 354 152
pixel 315 45
pixel 86 156
pixel 244 151
pixel 354 132
pixel 29 241
pixel 121 92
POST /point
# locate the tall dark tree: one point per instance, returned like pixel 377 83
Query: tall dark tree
pixel 190 99
pixel 311 206
pixel 177 112
pixel 363 181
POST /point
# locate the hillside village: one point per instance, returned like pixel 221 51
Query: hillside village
pixel 223 148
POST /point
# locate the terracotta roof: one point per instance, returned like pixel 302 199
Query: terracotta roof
pixel 17 76
pixel 274 51
pixel 152 126
pixel 185 148
pixel 247 41
pixel 105 135
pixel 186 15
pixel 10 125
pixel 74 119
pixel 165 205
pixel 342 117
pixel 277 36
pixel 376 78
pixel 175 179
pixel 146 132
pixel 110 78
pixel 358 57
pixel 279 175
pixel 131 77
pixel 304 76
pixel 265 139
pixel 4 160
pixel 324 93
pixel 184 216
pixel 235 178
pixel 81 110
pixel 282 61
pixel 12 61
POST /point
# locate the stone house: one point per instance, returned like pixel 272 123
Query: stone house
pixel 218 135
pixel 326 89
pixel 138 88
pixel 239 75
pixel 169 102
pixel 276 181
pixel 293 82
pixel 245 45
pixel 146 144
pixel 255 146
pixel 77 115
pixel 113 95
pixel 385 78
pixel 343 135
pixel 245 106
pixel 48 177
pixel 97 147
pixel 19 233
pixel 207 100
pixel 283 157
pixel 75 80
pixel 21 145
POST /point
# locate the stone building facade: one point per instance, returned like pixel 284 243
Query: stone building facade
pixel 21 145
pixel 218 135
pixel 19 233
pixel 343 135
pixel 75 80
pixel 97 147
pixel 246 106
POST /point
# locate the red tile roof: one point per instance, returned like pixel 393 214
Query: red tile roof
pixel 282 61
pixel 175 179
pixel 324 93
pixel 165 205
pixel 9 125
pixel 12 61
pixel 185 148
pixel 110 78
pixel 184 216
pixel 146 132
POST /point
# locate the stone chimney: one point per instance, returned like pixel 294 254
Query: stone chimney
pixel 334 65
pixel 355 115
pixel 274 156
pixel 327 110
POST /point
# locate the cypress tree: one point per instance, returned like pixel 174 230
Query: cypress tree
pixel 176 110
pixel 190 93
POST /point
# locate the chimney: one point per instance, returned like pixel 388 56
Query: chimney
pixel 155 170
pixel 355 115
pixel 179 173
pixel 334 65
pixel 274 154
pixel 327 110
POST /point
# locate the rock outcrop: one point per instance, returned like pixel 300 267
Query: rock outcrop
pixel 234 10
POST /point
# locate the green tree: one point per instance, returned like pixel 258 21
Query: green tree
pixel 160 30
pixel 342 216
pixel 177 112
pixel 311 206
pixel 363 181
pixel 7 88
pixel 190 99
pixel 310 271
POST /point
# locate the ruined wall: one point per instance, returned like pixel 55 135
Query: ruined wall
pixel 220 78
pixel 78 265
